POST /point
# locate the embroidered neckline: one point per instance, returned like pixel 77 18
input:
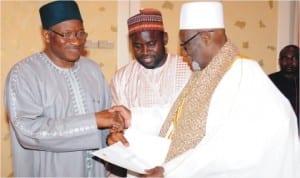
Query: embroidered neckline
pixel 54 66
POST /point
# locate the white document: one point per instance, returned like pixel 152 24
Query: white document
pixel 144 152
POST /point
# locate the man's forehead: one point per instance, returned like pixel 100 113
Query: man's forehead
pixel 289 50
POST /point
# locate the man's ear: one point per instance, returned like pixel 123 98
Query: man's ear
pixel 46 36
pixel 166 38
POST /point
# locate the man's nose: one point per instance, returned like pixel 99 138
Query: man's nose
pixel 289 60
pixel 145 49
pixel 75 40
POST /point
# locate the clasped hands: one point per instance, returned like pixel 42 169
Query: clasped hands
pixel 116 118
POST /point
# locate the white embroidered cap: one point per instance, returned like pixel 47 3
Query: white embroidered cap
pixel 201 15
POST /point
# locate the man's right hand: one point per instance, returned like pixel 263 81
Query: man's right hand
pixel 105 119
pixel 117 118
pixel 124 112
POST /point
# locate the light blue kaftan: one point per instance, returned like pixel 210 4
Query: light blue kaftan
pixel 51 110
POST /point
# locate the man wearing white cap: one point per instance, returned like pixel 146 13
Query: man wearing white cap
pixel 230 120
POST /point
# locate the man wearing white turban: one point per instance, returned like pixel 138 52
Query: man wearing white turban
pixel 230 120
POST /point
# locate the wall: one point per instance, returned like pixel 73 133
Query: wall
pixel 288 24
pixel 254 33
pixel 252 25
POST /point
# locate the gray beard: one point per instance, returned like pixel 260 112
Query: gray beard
pixel 195 66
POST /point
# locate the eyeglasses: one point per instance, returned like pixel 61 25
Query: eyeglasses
pixel 70 35
pixel 190 39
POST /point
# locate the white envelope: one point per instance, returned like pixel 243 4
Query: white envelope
pixel 144 151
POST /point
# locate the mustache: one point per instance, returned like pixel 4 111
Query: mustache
pixel 74 47
pixel 145 57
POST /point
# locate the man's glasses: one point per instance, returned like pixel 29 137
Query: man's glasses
pixel 190 39
pixel 70 35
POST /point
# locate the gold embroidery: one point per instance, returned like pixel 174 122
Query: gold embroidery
pixel 176 118
pixel 188 113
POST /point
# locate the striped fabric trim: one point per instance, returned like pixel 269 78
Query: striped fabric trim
pixel 147 19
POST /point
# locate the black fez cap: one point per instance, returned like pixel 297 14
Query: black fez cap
pixel 59 11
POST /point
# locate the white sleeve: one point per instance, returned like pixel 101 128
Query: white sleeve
pixel 149 120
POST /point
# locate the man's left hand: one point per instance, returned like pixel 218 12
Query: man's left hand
pixel 114 137
pixel 156 172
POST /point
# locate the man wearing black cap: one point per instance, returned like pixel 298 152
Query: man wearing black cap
pixel 56 100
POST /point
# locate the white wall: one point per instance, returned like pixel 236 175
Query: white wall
pixel 125 10
pixel 288 24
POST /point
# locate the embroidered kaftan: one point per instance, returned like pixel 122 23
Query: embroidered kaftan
pixel 51 110
pixel 149 93
pixel 251 131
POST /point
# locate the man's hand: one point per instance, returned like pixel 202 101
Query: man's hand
pixel 114 137
pixel 124 113
pixel 158 171
pixel 112 120
pixel 117 119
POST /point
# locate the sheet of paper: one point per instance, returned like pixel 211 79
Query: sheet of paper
pixel 144 152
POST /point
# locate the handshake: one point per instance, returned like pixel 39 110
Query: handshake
pixel 116 118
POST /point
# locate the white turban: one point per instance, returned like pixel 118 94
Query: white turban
pixel 201 15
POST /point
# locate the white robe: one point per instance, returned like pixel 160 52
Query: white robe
pixel 251 131
pixel 149 93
